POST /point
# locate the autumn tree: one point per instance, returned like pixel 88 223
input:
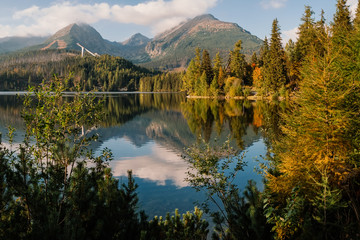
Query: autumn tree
pixel 313 158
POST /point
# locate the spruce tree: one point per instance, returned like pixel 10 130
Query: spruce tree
pixel 264 52
pixel 261 74
pixel 206 67
pixel 254 59
pixel 307 35
pixel 357 18
pixel 237 62
pixel 275 74
pixel 342 26
pixel 217 64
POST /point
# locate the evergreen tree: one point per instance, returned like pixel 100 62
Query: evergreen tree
pixel 260 74
pixel 275 74
pixel 206 67
pixel 342 26
pixel 254 60
pixel 221 77
pixel 264 52
pixel 307 35
pixel 237 62
pixel 217 65
pixel 197 62
pixel 357 18
pixel 190 77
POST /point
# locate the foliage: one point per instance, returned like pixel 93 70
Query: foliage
pixel 190 226
pixel 203 115
pixel 203 79
pixel 214 171
pixel 274 67
pixel 52 186
pixel 163 82
pixel 237 63
pixel 55 188
pixel 309 187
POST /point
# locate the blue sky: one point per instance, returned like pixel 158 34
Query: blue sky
pixel 116 20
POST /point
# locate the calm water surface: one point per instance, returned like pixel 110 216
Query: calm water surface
pixel 148 133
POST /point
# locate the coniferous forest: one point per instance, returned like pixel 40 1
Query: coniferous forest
pixel 53 187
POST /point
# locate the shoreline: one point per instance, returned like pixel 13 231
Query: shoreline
pixel 252 98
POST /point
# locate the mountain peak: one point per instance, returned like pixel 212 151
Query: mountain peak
pixel 203 31
pixel 204 17
pixel 62 32
pixel 69 36
pixel 136 40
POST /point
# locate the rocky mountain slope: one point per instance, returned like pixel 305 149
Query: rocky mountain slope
pixel 171 49
pixel 176 46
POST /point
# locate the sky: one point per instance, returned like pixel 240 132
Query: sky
pixel 117 20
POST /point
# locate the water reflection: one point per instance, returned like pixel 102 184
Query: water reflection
pixel 148 133
pixel 152 162
pixel 206 117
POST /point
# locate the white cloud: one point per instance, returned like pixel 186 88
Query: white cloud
pixel 290 34
pixel 352 6
pixel 158 14
pixel 273 3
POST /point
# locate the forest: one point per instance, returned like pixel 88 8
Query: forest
pixel 104 73
pixel 53 187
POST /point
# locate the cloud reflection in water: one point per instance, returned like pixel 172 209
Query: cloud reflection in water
pixel 151 161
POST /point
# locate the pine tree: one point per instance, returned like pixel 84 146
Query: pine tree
pixel 217 64
pixel 221 78
pixel 357 18
pixel 264 52
pixel 342 26
pixel 197 62
pixel 237 62
pixel 206 67
pixel 307 35
pixel 254 60
pixel 261 75
pixel 275 74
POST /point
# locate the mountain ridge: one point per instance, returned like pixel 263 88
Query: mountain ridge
pixel 170 49
pixel 175 47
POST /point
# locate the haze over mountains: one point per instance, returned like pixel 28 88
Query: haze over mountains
pixel 171 49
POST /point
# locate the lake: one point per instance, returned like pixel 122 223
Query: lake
pixel 148 132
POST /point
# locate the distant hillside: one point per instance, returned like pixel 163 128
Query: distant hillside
pixel 175 47
pixel 104 73
pixel 10 44
pixel 134 48
pixel 171 49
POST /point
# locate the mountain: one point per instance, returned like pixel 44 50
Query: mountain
pixel 171 49
pixel 10 44
pixel 67 38
pixel 134 48
pixel 137 40
pixel 87 36
pixel 175 47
